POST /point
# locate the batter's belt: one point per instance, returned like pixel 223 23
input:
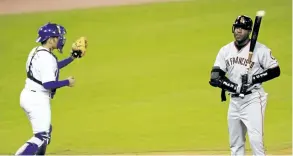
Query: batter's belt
pixel 223 95
pixel 237 95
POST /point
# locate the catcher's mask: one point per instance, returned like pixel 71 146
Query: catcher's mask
pixel 52 30
pixel 243 22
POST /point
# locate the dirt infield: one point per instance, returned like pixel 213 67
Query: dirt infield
pixel 24 6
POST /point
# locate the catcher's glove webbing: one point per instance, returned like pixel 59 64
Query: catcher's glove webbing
pixel 79 47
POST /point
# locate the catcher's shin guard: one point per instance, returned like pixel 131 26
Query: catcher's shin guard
pixel 43 148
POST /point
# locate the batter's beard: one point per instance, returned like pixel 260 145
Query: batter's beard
pixel 242 42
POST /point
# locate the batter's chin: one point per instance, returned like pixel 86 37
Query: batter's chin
pixel 239 40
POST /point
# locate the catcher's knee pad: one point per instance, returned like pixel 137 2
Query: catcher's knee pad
pixel 39 139
pixel 43 136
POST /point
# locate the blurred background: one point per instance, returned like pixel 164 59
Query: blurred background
pixel 142 87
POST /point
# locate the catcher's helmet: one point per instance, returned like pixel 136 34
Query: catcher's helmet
pixel 243 22
pixel 52 30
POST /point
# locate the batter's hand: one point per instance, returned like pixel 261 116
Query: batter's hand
pixel 243 88
pixel 71 81
pixel 246 79
pixel 79 47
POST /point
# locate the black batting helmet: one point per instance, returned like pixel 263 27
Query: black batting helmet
pixel 243 22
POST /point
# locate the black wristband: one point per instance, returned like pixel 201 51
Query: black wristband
pixel 228 85
pixel 76 54
pixel 266 75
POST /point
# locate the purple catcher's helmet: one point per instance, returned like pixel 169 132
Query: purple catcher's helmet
pixel 52 30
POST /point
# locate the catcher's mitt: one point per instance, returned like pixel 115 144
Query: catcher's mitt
pixel 79 47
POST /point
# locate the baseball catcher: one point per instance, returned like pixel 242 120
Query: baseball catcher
pixel 42 82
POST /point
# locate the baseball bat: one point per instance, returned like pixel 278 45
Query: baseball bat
pixel 256 26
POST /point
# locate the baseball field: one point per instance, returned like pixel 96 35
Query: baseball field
pixel 142 87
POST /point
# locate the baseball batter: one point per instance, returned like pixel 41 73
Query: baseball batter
pixel 245 114
pixel 42 69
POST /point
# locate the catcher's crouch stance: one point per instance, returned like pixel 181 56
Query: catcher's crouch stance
pixel 42 69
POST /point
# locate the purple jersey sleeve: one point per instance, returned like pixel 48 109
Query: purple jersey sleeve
pixel 64 62
pixel 55 84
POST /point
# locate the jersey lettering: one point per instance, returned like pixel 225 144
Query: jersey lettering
pixel 237 60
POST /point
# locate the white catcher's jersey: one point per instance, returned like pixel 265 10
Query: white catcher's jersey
pixel 44 67
pixel 234 61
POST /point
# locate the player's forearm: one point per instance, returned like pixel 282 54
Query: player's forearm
pixel 228 85
pixel 266 75
pixel 218 79
pixel 55 84
pixel 65 62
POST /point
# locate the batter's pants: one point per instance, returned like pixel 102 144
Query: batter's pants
pixel 247 116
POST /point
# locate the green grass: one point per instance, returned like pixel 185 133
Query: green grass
pixel 143 85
